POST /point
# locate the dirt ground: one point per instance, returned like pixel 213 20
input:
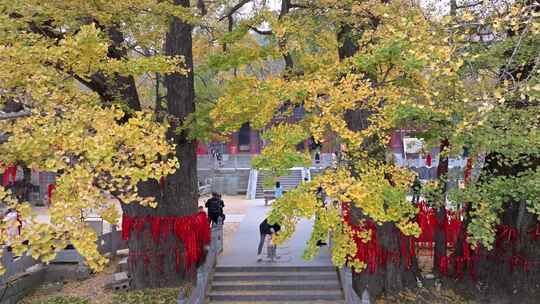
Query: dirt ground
pixel 237 204
pixel 91 288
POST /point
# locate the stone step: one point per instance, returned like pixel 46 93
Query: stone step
pixel 285 297
pixel 282 302
pixel 275 269
pixel 275 276
pixel 336 293
pixel 277 286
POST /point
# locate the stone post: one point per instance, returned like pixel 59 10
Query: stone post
pixel 7 261
pixel 346 280
pixel 220 236
pixel 114 241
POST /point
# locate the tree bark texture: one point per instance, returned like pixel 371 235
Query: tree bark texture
pixel 512 266
pixel 440 235
pixel 161 265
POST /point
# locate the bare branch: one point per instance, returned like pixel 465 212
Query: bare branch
pixel 469 5
pixel 294 5
pixel 14 115
pixel 234 9
pixel 260 32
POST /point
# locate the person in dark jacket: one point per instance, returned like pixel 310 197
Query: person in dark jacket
pixel 266 230
pixel 416 188
pixel 215 208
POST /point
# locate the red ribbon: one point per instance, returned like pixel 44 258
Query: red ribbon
pixel 183 228
pixel 459 263
pixel 443 265
pixel 155 224
pixel 517 261
pixel 535 232
pixel 193 231
pixel 127 223
pixel 10 174
pixel 162 182
pixel 506 233
pixel 428 160
pixel 50 190
pixel 138 225
pixel 407 250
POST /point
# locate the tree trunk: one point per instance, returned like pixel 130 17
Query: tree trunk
pixel 154 265
pixel 440 234
pixel 512 266
pixel 389 278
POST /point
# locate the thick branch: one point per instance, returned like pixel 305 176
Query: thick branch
pixel 13 115
pixel 234 9
pixel 285 7
pixel 294 5
pixel 202 7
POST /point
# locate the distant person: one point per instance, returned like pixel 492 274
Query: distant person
pixel 317 157
pixel 215 207
pixel 11 219
pixel 324 199
pixel 266 230
pixel 222 204
pixel 278 190
pixel 219 158
pixel 416 188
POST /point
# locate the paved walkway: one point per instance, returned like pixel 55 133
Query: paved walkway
pixel 243 250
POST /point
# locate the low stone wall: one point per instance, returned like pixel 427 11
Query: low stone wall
pixel 226 180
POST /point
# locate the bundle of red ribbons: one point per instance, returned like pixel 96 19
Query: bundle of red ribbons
pixel 10 174
pixel 373 254
pixel 193 231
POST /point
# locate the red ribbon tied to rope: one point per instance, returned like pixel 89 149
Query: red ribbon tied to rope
pixel 535 232
pixel 10 174
pixel 184 228
pixel 443 265
pixel 517 261
pixel 508 233
pixel 155 224
pixel 127 224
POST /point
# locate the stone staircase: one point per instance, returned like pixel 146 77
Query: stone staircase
pixel 275 284
pixel 288 182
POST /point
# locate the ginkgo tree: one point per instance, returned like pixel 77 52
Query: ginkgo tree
pixel 352 66
pixel 74 67
pixel 500 49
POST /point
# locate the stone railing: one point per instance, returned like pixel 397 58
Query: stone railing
pixel 206 270
pixel 251 191
pixel 345 278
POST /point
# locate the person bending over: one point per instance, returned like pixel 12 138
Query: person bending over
pixel 266 230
